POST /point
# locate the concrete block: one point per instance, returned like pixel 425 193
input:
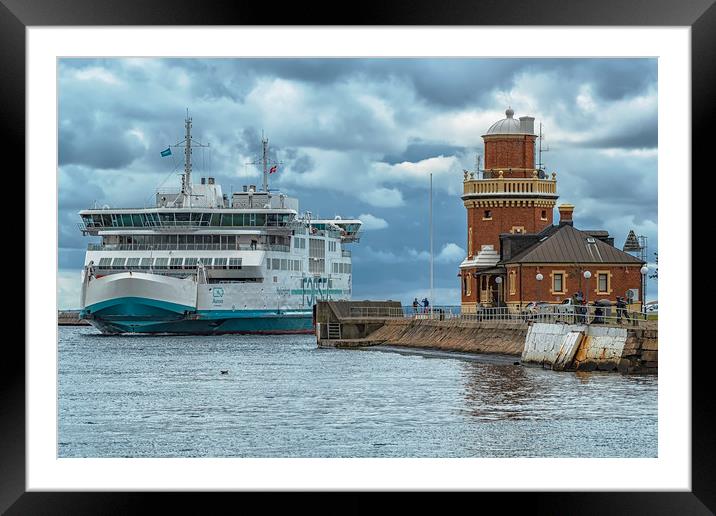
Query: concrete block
pixel 650 356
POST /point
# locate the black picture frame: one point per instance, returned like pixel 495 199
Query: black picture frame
pixel 16 15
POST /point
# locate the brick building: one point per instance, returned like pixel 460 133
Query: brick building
pixel 511 238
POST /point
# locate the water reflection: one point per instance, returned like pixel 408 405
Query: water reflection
pixel 497 391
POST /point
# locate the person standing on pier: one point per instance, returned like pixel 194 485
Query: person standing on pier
pixel 415 305
pixel 426 304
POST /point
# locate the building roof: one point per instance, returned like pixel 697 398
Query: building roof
pixel 508 125
pixel 632 243
pixel 569 245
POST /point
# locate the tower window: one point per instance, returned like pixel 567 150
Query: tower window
pixel 487 215
pixel 544 214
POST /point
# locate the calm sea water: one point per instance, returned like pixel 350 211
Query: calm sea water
pixel 282 397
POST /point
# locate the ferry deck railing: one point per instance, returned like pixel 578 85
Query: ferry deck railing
pixel 188 247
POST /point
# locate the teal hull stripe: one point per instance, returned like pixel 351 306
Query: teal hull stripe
pixel 143 307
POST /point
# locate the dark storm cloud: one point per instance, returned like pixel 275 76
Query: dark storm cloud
pixel 102 147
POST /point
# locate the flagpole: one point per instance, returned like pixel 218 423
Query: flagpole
pixel 432 299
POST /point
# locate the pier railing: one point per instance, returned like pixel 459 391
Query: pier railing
pixel 582 314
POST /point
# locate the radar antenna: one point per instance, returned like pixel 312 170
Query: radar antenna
pixel 540 165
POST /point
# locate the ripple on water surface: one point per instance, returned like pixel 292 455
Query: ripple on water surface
pixel 165 396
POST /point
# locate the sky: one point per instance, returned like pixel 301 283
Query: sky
pixel 359 138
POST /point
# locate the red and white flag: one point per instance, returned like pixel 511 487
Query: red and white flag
pixel 272 169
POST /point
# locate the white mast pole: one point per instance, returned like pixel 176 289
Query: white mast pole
pixel 187 159
pixel 264 160
pixel 432 299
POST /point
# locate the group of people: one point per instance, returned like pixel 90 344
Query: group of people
pixel 425 304
pixel 580 309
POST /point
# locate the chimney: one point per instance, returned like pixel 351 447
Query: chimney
pixel 527 124
pixel 565 214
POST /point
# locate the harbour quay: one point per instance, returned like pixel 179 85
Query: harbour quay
pixel 591 341
pixel 70 318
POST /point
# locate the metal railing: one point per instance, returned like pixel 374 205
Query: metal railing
pixel 188 247
pixel 567 314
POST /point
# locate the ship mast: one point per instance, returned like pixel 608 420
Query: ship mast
pixel 265 161
pixel 187 143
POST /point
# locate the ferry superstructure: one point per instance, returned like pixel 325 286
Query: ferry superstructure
pixel 204 262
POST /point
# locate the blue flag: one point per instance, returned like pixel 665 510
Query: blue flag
pixel 167 152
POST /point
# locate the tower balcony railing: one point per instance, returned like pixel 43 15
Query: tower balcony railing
pixel 511 186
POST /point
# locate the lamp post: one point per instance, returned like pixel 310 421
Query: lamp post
pixel 587 275
pixel 498 280
pixel 643 271
pixel 539 279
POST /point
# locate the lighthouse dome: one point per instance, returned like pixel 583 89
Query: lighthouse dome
pixel 507 125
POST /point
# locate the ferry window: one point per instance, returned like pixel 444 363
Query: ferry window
pixel 276 265
pixel 132 263
pixel 216 219
pixel 227 219
pixel 260 219
pixel 221 263
pixel 205 218
pixel 118 263
pixel 97 220
pixel 161 263
pixel 104 263
pixel 182 218
pixel 330 283
pixel 297 265
pixel 175 263
pixel 284 264
pixel 136 220
pixel 234 263
pixel 146 263
pixel 239 219
pixel 190 263
pixel 167 218
pixel 106 221
pixel 206 262
pixel 272 219
pixel 268 264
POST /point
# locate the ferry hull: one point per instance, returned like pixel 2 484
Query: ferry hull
pixel 154 304
pixel 212 325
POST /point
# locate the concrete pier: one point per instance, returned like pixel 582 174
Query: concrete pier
pixel 70 318
pixel 557 346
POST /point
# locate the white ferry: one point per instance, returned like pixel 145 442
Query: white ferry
pixel 203 262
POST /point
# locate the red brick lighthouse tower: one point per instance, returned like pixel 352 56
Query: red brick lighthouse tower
pixel 511 196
